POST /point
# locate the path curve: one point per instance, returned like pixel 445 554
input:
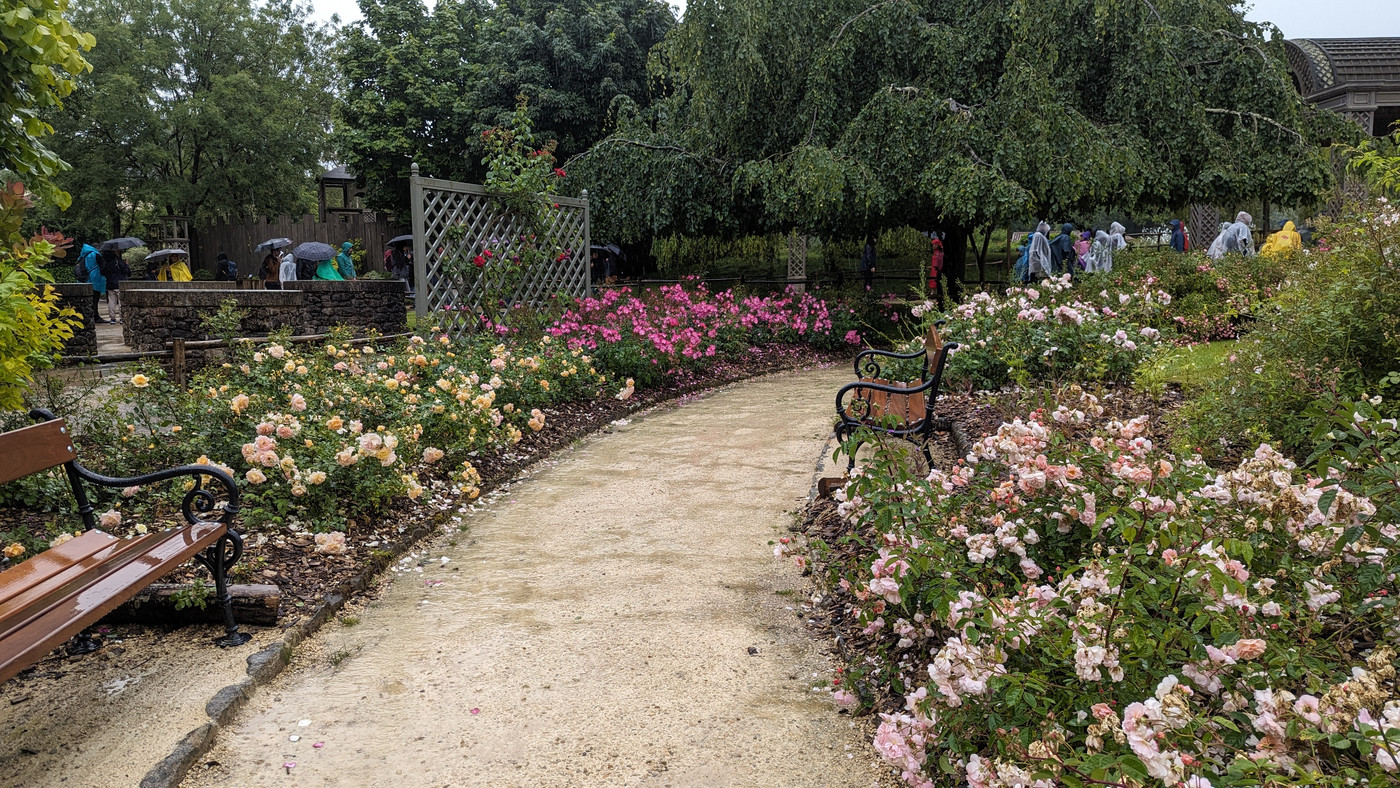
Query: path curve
pixel 593 627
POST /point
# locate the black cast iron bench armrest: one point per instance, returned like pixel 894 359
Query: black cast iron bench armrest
pixel 872 369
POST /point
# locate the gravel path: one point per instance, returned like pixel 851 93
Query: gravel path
pixel 616 619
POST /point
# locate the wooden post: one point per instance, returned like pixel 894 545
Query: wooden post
pixel 177 364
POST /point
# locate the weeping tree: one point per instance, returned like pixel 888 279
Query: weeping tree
pixel 842 117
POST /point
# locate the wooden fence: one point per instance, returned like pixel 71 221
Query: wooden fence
pixel 238 240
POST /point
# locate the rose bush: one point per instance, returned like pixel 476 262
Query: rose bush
pixel 1049 332
pixel 650 334
pixel 327 431
pixel 1072 604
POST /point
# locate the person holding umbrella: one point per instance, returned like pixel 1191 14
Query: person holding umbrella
pixel 316 257
pixel 115 271
pixel 173 265
pixel 271 269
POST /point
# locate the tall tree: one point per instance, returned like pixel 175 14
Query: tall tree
pixel 838 117
pixel 41 53
pixel 422 86
pixel 205 108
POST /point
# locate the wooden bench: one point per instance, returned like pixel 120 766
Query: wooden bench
pixel 876 405
pixel 58 593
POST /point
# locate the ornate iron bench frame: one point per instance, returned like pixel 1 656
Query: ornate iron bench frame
pixel 888 408
pixel 63 595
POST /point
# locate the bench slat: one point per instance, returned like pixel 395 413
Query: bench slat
pixel 44 566
pixel 35 448
pixel 48 615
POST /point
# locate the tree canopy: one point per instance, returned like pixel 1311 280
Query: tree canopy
pixel 839 117
pixel 422 86
pixel 209 110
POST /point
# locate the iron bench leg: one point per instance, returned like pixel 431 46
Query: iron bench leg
pixel 217 559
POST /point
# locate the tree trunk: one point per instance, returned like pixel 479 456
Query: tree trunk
pixel 982 255
pixel 955 261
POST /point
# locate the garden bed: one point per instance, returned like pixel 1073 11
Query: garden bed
pixel 287 558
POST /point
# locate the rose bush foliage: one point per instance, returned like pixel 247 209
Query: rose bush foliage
pixel 1072 604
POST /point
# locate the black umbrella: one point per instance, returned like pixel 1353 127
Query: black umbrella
pixel 273 243
pixel 164 253
pixel 402 239
pixel 120 244
pixel 314 251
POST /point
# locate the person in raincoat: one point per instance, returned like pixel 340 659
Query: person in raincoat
pixel 175 268
pixel 1282 242
pixel 1237 239
pixel 1062 250
pixel 91 261
pixel 1021 272
pixel 935 270
pixel 1038 258
pixel 344 264
pixel 1100 253
pixel 867 263
pixel 325 271
pixel 1178 236
pixel 1081 249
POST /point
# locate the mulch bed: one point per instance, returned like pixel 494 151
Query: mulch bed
pixel 979 414
pixel 276 555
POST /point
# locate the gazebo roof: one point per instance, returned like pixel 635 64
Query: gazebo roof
pixel 1321 64
pixel 337 174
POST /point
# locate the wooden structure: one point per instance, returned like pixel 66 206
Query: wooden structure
pixel 898 409
pixel 58 593
pixel 238 240
pixel 455 222
pixel 1357 77
pixel 338 194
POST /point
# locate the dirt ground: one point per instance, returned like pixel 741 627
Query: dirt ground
pixel 616 619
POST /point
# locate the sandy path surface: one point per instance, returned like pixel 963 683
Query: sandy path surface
pixel 617 619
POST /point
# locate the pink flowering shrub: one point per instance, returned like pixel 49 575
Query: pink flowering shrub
pixel 1049 332
pixel 648 334
pixel 1072 604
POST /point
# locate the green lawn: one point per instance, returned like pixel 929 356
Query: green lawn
pixel 1188 367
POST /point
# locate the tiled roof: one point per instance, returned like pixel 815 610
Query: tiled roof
pixel 1322 63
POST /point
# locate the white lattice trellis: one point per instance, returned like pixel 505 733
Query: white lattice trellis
pixel 454 222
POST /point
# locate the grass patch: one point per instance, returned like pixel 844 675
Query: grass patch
pixel 1191 367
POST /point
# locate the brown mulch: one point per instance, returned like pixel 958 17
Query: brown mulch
pixel 838 547
pixel 278 556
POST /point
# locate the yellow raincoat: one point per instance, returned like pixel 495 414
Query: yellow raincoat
pixel 178 271
pixel 1283 241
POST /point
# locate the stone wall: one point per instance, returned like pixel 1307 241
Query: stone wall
pixel 78 297
pixel 153 316
pixel 152 284
pixel 363 304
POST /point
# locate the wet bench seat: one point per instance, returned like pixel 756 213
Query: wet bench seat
pixel 58 593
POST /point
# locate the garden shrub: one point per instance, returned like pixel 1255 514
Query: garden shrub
pixel 652 334
pixel 1333 327
pixel 323 432
pixel 33 324
pixel 1074 604
pixel 1048 333
pixel 1210 299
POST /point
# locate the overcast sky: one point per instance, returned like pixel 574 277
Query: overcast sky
pixel 1297 18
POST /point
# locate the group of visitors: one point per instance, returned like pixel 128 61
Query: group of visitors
pixel 105 271
pixel 1069 252
pixel 281 266
pixel 1237 238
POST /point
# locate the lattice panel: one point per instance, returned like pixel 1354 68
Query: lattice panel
pixel 797 255
pixel 454 222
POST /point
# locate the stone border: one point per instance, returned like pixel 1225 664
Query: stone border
pixel 269 663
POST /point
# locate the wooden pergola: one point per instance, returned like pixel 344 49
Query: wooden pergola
pixel 1356 77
